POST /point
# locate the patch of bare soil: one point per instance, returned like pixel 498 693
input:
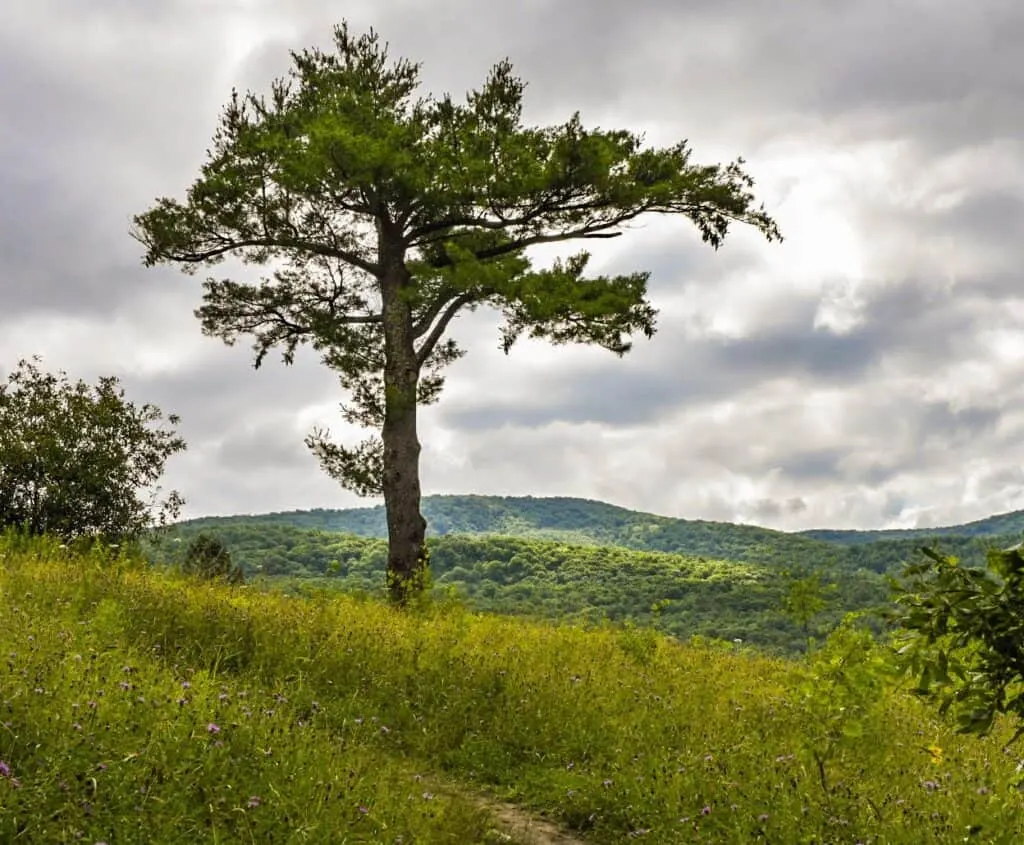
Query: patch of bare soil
pixel 515 824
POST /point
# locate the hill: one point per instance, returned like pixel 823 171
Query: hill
pixel 1004 526
pixel 586 522
pixel 684 595
pixel 579 521
pixel 140 707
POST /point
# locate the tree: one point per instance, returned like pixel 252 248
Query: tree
pixel 208 558
pixel 961 634
pixel 806 595
pixel 81 461
pixel 386 215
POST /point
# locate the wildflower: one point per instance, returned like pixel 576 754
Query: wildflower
pixel 930 785
pixel 222 697
pixel 5 770
pixel 428 796
pixel 213 728
pixel 186 685
pixel 606 783
pixel 706 810
pixel 762 818
pixel 253 802
pixel 363 810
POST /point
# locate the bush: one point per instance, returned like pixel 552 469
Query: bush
pixel 80 461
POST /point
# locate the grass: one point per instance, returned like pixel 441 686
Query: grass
pixel 137 707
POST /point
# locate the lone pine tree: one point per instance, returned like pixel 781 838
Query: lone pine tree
pixel 381 215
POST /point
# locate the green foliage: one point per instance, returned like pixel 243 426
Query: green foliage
pixel 806 597
pixel 963 635
pixel 341 719
pixel 208 558
pixel 583 522
pixel 682 595
pixel 388 213
pixel 844 695
pixel 81 461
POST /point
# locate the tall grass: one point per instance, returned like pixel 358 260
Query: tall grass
pixel 137 707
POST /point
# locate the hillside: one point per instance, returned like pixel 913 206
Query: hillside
pixel 140 707
pixel 683 595
pixel 579 521
pixel 1004 526
pixel 586 522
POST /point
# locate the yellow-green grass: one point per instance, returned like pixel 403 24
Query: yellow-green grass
pixel 137 707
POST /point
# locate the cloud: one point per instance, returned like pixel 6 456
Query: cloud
pixel 866 372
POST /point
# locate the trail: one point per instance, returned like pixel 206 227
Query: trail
pixel 522 826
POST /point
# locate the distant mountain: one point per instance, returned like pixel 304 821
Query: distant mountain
pixel 1004 525
pixel 569 520
pixel 593 523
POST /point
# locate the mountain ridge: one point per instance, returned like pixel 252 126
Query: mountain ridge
pixel 369 521
pixel 591 522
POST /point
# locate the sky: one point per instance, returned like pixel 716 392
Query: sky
pixel 865 373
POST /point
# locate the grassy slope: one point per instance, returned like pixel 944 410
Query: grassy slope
pixel 544 578
pixel 335 718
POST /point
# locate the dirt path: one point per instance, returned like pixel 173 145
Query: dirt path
pixel 524 827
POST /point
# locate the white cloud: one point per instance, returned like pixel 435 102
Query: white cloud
pixel 865 372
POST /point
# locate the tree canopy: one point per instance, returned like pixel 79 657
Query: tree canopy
pixel 384 214
pixel 79 460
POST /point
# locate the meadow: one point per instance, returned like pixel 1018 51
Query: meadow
pixel 139 706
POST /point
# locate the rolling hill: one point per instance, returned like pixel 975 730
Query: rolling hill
pixel 587 522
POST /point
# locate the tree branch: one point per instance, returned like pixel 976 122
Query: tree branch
pixel 437 331
pixel 371 267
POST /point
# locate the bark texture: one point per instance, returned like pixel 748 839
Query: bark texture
pixel 407 552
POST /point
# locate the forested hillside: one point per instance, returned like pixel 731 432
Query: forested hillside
pixel 586 522
pixel 1005 525
pixel 579 521
pixel 684 595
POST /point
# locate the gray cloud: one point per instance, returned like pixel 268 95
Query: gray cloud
pixel 864 373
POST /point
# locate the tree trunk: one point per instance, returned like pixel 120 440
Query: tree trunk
pixel 407 551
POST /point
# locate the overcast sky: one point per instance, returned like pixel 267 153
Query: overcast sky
pixel 867 372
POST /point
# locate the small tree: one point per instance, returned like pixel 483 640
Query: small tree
pixel 81 461
pixel 387 215
pixel 962 635
pixel 208 558
pixel 806 596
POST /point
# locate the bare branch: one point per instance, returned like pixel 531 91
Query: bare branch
pixel 437 331
pixel 371 267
